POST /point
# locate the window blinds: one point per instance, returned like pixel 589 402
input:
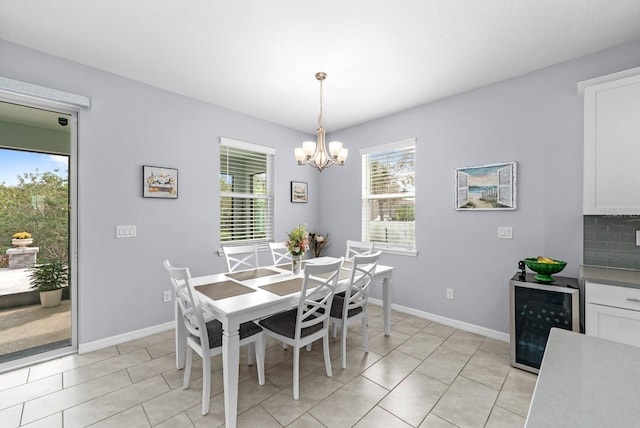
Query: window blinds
pixel 246 193
pixel 388 195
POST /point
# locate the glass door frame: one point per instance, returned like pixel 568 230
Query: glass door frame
pixel 39 103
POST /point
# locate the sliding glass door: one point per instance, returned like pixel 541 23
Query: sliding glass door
pixel 36 226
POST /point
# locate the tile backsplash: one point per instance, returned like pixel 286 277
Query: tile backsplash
pixel 610 241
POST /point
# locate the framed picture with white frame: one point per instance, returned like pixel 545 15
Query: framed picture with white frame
pixel 486 187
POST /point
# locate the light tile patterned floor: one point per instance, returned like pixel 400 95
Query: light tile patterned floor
pixel 424 375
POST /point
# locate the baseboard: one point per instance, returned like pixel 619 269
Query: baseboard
pixel 125 337
pixel 138 334
pixel 472 328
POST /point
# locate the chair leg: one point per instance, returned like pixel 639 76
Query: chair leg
pixel 343 345
pixel 251 349
pixel 284 345
pixel 296 373
pixel 187 368
pixel 309 347
pixel 206 382
pixel 327 355
pixel 260 357
pixel 365 335
pixel 334 332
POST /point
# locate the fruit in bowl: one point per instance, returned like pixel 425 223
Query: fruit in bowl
pixel 544 267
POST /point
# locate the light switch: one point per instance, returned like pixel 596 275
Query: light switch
pixel 125 231
pixel 505 232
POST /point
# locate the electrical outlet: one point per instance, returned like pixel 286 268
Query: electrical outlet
pixel 166 296
pixel 450 293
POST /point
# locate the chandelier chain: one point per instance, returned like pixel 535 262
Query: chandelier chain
pixel 321 99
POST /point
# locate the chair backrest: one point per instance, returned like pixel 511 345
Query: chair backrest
pixel 357 294
pixel 318 288
pixel 241 257
pixel 357 248
pixel 280 253
pixel 192 316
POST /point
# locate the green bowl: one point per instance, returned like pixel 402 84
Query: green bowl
pixel 544 270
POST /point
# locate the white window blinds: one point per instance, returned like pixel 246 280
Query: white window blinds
pixel 388 196
pixel 246 193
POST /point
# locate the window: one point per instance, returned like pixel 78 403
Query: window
pixel 246 193
pixel 388 196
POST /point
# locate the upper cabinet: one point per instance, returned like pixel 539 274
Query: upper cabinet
pixel 612 144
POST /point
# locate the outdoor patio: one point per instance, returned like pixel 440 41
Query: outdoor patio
pixel 29 329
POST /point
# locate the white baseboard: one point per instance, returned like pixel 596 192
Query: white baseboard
pixel 125 337
pixel 472 328
pixel 138 334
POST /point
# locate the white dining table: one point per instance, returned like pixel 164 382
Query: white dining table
pixel 232 311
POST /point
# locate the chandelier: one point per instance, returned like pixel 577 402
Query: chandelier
pixel 315 153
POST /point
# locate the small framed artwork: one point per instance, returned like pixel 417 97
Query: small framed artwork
pixel 486 187
pixel 159 182
pixel 299 192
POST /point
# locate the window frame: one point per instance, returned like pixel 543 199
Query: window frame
pixel 367 196
pixel 263 243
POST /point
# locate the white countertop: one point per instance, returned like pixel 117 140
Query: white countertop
pixel 586 382
pixel 611 276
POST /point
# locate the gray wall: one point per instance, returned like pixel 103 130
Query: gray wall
pixel 130 125
pixel 535 120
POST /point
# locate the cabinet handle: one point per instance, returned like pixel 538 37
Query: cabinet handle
pixel 633 299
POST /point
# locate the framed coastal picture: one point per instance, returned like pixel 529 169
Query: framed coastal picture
pixel 299 192
pixel 486 187
pixel 159 182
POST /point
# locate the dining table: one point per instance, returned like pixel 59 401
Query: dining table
pixel 237 297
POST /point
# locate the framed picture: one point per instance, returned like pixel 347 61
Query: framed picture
pixel 299 192
pixel 486 187
pixel 158 182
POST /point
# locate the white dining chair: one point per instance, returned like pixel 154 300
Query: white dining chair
pixel 346 310
pixel 308 322
pixel 241 257
pixel 205 338
pixel 357 248
pixel 280 253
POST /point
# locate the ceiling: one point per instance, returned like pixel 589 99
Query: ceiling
pixel 259 57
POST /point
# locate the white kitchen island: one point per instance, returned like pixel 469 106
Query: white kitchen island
pixel 586 382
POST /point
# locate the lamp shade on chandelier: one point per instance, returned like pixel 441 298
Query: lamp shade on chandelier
pixel 315 153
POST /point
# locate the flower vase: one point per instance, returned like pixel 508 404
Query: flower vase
pixel 296 262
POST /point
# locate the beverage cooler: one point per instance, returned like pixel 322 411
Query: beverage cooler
pixel 534 309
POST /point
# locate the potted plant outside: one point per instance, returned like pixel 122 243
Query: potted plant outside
pixel 21 239
pixel 49 277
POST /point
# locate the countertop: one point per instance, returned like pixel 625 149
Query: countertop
pixel 611 276
pixel 586 382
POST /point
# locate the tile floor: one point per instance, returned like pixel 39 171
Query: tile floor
pixel 424 375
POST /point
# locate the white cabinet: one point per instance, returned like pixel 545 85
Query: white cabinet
pixel 612 313
pixel 612 144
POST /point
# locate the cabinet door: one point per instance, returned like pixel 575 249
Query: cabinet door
pixel 611 149
pixel 619 325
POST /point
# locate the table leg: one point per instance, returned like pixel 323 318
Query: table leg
pixel 386 304
pixel 230 363
pixel 181 337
